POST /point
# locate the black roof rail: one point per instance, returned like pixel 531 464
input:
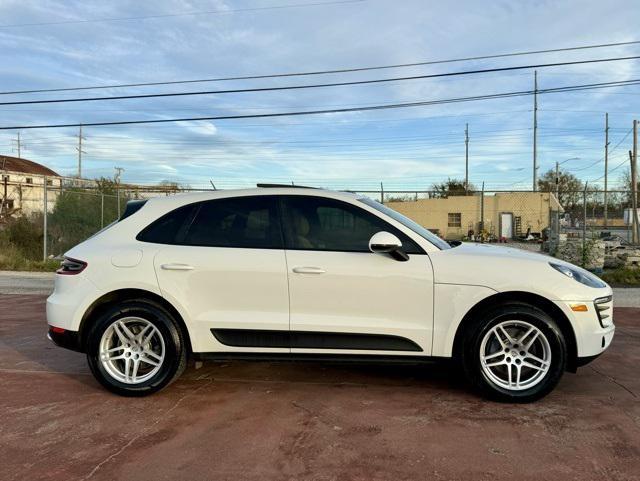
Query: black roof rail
pixel 275 186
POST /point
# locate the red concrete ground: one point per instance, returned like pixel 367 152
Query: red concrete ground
pixel 279 421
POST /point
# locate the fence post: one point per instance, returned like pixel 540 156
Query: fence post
pixel 584 224
pixel 44 223
pixel 381 193
pixel 102 210
pixel 481 229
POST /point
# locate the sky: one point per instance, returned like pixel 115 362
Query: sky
pixel 57 44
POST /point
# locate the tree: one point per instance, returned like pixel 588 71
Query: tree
pixel 625 181
pixel 569 187
pixel 106 186
pixel 450 187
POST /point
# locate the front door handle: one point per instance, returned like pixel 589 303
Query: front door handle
pixel 177 267
pixel 308 270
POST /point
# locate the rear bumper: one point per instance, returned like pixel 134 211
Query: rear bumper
pixel 69 301
pixel 67 339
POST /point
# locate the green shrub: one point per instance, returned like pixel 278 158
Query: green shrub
pixel 623 276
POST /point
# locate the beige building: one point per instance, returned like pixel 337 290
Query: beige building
pixel 22 184
pixel 505 215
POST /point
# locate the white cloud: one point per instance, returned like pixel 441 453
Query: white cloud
pixel 361 148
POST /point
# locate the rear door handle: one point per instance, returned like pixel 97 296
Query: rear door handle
pixel 308 270
pixel 177 267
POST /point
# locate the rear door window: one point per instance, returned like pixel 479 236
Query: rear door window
pixel 245 222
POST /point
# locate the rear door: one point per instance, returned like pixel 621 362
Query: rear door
pixel 226 268
pixel 345 299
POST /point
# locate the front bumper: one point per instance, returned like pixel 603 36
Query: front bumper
pixel 592 339
pixel 63 338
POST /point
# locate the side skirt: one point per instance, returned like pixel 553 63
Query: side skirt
pixel 313 340
pixel 333 358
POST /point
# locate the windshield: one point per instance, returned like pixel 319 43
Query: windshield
pixel 408 223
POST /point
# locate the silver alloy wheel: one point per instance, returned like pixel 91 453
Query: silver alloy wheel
pixel 515 355
pixel 131 350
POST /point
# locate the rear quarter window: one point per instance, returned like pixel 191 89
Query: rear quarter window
pixel 170 227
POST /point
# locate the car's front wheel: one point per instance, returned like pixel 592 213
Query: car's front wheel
pixel 514 352
pixel 136 348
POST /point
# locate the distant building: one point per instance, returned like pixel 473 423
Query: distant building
pixel 22 186
pixel 504 215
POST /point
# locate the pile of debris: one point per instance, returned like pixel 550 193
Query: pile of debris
pixel 620 254
pixel 592 254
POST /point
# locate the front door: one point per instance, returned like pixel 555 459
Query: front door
pixel 506 225
pixel 344 298
pixel 227 271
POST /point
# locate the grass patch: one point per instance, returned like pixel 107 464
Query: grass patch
pixel 622 277
pixel 11 259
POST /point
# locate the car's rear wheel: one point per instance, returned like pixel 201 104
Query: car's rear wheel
pixel 136 348
pixel 514 353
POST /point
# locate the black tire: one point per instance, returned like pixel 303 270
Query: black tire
pixel 175 348
pixel 472 345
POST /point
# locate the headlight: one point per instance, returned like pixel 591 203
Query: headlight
pixel 580 275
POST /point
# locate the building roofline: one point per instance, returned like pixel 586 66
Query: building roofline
pixel 19 165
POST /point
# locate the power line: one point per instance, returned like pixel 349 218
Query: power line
pixel 602 159
pixel 625 160
pixel 185 14
pixel 311 86
pixel 325 72
pixel 570 88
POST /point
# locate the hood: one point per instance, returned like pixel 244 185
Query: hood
pixel 492 251
pixel 506 269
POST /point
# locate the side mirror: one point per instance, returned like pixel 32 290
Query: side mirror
pixel 386 243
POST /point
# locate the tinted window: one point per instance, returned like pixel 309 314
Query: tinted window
pixel 166 229
pixel 317 223
pixel 249 222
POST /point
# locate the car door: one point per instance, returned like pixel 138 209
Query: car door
pixel 344 298
pixel 226 268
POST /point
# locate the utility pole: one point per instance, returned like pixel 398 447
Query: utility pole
pixel 584 224
pixel 535 130
pixel 18 142
pixel 634 184
pixel 606 165
pixel 45 238
pixel 557 227
pixel 5 179
pixel 557 180
pixel 80 152
pixel 466 159
pixel 481 226
pixel 119 171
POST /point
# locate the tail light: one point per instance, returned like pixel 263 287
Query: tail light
pixel 71 266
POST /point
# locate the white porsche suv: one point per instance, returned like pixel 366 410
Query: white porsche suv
pixel 287 272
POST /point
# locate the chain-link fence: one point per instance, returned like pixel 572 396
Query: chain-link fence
pixel 589 227
pixel 77 214
pixel 46 218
